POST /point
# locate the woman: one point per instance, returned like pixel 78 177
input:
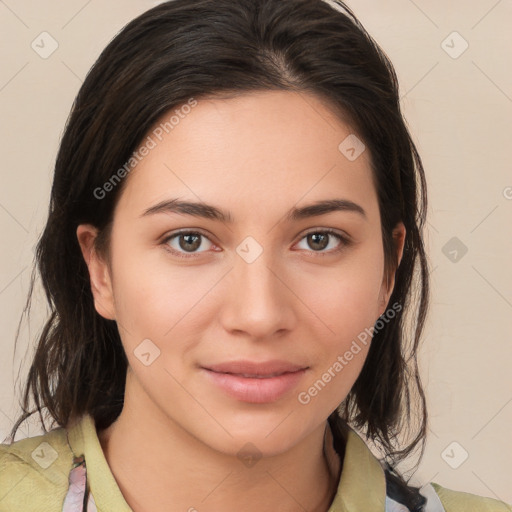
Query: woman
pixel 236 215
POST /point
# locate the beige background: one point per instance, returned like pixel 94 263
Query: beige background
pixel 459 111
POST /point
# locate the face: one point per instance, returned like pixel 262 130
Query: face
pixel 240 329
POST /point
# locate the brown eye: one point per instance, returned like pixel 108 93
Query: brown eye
pixel 318 241
pixel 187 242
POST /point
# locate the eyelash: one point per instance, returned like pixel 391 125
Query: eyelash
pixel 345 242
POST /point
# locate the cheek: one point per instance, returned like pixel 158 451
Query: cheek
pixel 334 376
pixel 346 302
pixel 348 309
pixel 345 298
pixel 154 295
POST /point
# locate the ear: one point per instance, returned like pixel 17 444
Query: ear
pixel 388 284
pixel 99 274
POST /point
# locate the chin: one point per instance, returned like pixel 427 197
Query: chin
pixel 268 436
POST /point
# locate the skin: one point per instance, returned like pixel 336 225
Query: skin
pixel 256 156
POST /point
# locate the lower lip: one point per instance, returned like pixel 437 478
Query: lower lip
pixel 255 390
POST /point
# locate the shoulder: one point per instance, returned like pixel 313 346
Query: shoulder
pixel 457 501
pixel 432 497
pixel 34 472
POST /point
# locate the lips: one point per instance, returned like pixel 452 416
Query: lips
pixel 253 382
pixel 254 369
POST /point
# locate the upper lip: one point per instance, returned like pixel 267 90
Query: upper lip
pixel 250 368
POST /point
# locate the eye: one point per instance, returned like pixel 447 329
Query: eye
pixel 187 242
pixel 321 239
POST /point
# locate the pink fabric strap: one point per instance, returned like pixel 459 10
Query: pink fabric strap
pixel 78 498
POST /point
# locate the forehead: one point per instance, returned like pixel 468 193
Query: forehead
pixel 255 152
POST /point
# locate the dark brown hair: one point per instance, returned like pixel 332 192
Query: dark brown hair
pixel 183 49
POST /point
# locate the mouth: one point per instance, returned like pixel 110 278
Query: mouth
pixel 255 376
pixel 253 382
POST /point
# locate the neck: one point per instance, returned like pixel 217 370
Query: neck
pixel 166 468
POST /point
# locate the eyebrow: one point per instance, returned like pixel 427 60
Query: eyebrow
pixel 208 211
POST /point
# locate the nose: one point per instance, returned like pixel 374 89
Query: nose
pixel 258 302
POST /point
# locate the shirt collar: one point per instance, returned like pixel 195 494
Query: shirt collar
pixel 83 439
pixel 362 485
